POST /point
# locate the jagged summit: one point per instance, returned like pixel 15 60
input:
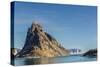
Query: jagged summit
pixel 41 44
pixel 36 26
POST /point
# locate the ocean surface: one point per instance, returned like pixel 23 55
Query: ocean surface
pixel 65 59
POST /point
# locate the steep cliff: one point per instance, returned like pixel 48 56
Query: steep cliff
pixel 41 44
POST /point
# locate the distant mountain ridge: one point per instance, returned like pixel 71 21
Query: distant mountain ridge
pixel 41 44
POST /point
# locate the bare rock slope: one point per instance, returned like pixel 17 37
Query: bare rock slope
pixel 41 44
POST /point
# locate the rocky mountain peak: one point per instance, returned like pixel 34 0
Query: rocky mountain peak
pixel 36 27
pixel 41 44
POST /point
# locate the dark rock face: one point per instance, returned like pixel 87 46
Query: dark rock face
pixel 91 53
pixel 41 44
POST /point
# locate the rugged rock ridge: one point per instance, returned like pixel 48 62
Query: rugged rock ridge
pixel 41 44
pixel 91 53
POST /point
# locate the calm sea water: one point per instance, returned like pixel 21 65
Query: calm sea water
pixel 65 59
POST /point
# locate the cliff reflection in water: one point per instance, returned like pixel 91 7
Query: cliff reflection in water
pixel 64 59
pixel 38 61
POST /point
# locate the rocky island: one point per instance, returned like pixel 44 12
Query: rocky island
pixel 91 53
pixel 41 44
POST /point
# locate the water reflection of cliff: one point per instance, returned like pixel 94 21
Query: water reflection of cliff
pixel 38 61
